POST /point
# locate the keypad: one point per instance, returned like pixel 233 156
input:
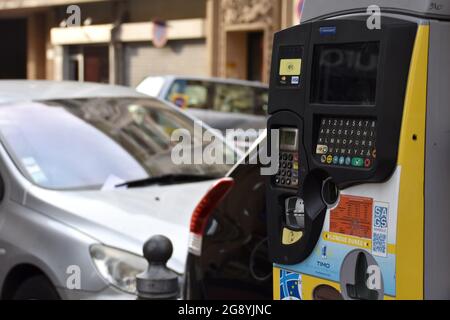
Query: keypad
pixel 288 168
pixel 346 142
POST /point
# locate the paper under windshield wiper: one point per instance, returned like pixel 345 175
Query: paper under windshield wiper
pixel 166 180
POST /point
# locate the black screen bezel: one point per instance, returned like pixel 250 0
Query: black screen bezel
pixel 315 68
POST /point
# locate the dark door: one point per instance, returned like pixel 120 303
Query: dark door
pixel 89 63
pixel 13 56
pixel 96 64
pixel 255 55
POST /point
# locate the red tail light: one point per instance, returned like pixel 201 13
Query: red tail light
pixel 204 209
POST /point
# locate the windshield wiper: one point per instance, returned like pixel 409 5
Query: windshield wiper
pixel 167 179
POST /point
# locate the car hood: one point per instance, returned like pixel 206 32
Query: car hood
pixel 126 218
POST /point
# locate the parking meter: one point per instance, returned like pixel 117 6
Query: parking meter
pixel 359 208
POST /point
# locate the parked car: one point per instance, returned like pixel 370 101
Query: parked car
pixel 221 103
pixel 86 178
pixel 228 254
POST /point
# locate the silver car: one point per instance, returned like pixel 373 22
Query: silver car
pixel 86 178
pixel 221 103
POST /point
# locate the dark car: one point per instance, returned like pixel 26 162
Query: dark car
pixel 228 254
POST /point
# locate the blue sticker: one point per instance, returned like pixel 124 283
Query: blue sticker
pixel 290 285
pixel 326 31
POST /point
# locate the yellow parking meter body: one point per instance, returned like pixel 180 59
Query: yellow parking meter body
pixel 359 208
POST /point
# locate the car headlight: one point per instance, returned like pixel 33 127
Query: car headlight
pixel 118 267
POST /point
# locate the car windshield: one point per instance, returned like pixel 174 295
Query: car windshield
pixel 83 143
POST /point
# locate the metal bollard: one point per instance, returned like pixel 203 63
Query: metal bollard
pixel 158 282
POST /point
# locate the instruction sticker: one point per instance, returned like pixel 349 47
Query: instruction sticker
pixel 353 217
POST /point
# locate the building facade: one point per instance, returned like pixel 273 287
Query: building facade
pixel 122 41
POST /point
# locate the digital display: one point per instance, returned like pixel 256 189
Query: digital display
pixel 288 138
pixel 287 175
pixel 345 73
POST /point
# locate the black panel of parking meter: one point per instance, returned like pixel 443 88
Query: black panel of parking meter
pixel 336 96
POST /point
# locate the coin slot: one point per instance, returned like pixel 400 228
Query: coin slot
pixel 330 193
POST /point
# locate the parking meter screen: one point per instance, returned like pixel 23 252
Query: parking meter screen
pixel 287 138
pixel 345 74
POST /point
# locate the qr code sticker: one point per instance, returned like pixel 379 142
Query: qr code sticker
pixel 379 243
pixel 380 229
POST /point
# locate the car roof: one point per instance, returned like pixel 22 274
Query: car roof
pixel 29 90
pixel 213 79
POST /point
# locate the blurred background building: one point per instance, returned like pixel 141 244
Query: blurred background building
pixel 122 41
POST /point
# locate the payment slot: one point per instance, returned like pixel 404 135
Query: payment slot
pixel 351 104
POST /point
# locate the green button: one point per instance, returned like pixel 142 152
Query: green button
pixel 357 162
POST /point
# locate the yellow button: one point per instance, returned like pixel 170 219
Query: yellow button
pixel 290 67
pixel 290 236
pixel 295 166
pixel 329 159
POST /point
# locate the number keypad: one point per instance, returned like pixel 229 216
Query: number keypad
pixel 288 168
pixel 346 142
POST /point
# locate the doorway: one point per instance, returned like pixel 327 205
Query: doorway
pixel 13 56
pixel 244 55
pixel 89 63
pixel 255 41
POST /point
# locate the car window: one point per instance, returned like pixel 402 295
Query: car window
pixel 190 94
pixel 231 98
pixel 240 99
pixel 221 97
pixel 82 143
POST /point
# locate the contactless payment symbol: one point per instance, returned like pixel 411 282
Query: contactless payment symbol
pixel 290 67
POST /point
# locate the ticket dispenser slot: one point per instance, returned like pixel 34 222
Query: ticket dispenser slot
pixel 337 91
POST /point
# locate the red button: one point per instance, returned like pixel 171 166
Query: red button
pixel 367 163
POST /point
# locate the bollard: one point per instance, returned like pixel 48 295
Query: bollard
pixel 158 282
